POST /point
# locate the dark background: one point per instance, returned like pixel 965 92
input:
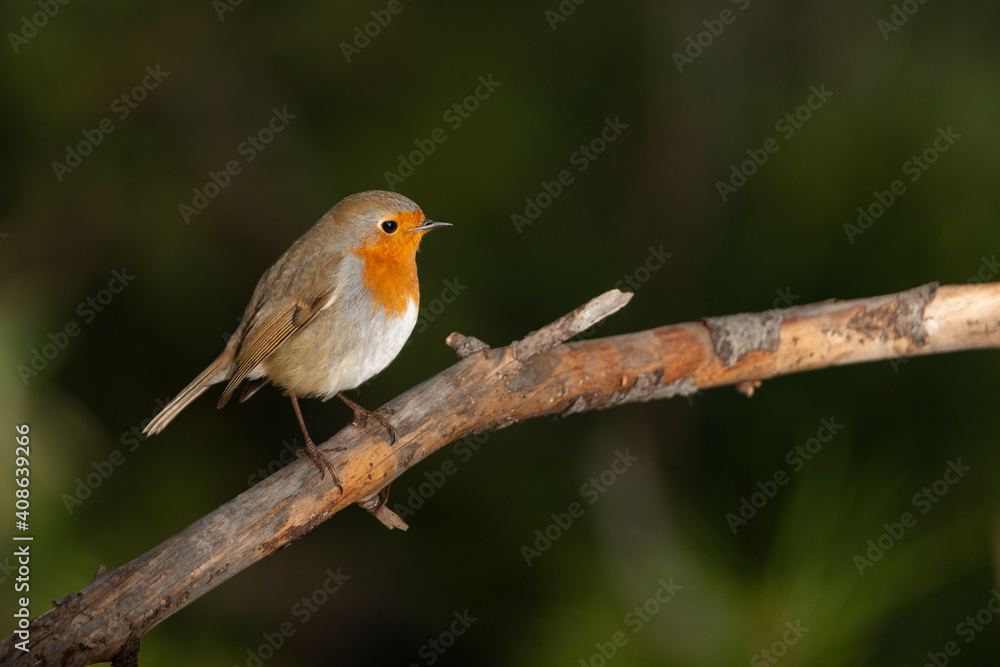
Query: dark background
pixel 779 239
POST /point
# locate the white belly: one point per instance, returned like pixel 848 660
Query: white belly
pixel 338 351
pixel 380 343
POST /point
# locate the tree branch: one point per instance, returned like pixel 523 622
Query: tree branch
pixel 491 389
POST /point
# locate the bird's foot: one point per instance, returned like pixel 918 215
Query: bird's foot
pixel 362 416
pixel 323 463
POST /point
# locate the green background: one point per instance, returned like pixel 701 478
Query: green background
pixel 779 239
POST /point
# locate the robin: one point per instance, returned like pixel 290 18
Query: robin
pixel 333 311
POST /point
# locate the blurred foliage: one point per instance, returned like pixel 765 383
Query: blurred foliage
pixel 779 239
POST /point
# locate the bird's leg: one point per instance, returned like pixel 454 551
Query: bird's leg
pixel 312 450
pixel 363 416
pixel 375 504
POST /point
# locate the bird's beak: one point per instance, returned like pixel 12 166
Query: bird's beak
pixel 428 225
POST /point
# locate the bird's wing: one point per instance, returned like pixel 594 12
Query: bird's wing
pixel 266 332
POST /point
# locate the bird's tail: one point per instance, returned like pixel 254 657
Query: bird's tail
pixel 218 371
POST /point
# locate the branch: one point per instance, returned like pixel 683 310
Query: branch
pixel 490 389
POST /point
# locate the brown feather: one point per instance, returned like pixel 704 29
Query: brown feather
pixel 264 336
pixel 252 387
pixel 217 371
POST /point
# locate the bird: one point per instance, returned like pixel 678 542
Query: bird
pixel 333 311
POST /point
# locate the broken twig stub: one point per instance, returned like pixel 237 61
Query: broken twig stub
pixel 571 324
pixel 465 345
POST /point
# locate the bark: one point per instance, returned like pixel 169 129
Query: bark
pixel 490 389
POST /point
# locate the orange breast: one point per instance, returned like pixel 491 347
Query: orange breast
pixel 390 266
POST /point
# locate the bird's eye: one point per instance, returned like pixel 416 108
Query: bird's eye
pixel 389 226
